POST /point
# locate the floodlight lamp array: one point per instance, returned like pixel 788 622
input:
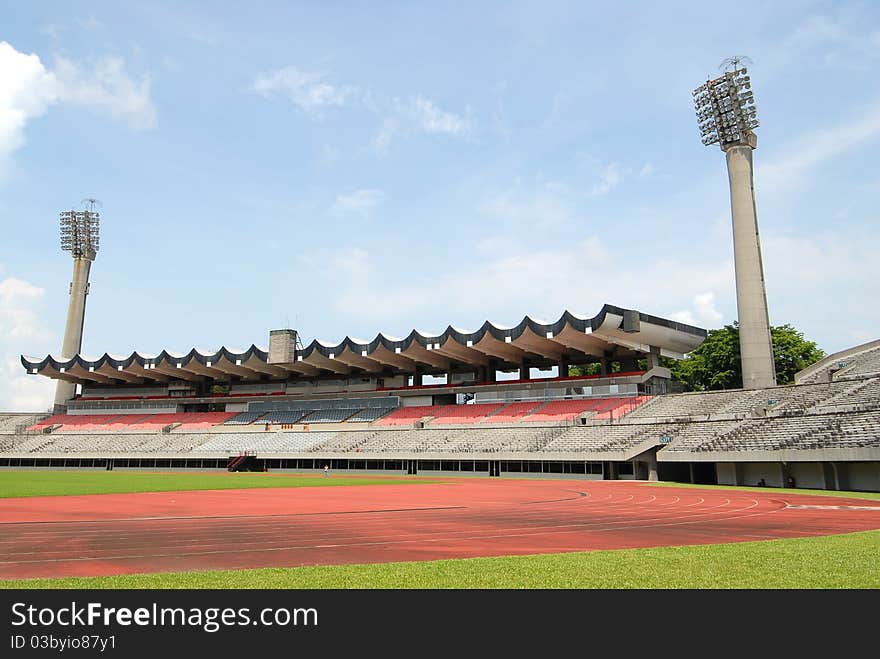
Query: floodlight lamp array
pixel 80 233
pixel 725 107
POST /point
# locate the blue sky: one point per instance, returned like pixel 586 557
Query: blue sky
pixel 350 168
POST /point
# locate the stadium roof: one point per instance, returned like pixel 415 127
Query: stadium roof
pixel 614 332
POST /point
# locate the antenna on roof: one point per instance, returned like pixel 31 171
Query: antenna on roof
pixel 733 63
pixel 91 203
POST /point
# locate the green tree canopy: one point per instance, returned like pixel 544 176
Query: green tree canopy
pixel 715 364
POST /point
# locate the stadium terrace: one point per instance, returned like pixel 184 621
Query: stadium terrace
pixel 367 407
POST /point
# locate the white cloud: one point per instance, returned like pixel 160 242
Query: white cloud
pixel 703 312
pixel 512 278
pixel 818 146
pixel 308 91
pixel 21 307
pixel 609 178
pixel 27 90
pixel 647 169
pixel 414 115
pixel 18 317
pixel 398 116
pixel 360 201
pixel 382 139
pixel 432 119
pixel 106 87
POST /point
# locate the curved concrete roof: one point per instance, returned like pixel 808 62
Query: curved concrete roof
pixel 614 330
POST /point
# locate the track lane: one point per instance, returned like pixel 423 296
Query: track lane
pixel 231 529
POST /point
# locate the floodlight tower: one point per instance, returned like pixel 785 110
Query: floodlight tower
pixel 726 114
pixel 79 236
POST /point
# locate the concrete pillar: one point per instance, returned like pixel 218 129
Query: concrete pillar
pixel 611 471
pixel 650 460
pixel 73 330
pixel 524 371
pixel 841 475
pixel 828 476
pixel 629 365
pixel 785 471
pixel 563 368
pixel 653 358
pixel 739 472
pixel 756 348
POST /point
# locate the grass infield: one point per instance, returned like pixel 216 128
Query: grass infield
pixel 774 490
pixel 61 483
pixel 840 561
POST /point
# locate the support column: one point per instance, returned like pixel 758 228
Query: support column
pixel 492 371
pixel 841 475
pixel 563 368
pixel 524 371
pixel 653 358
pixel 73 329
pixel 828 476
pixel 756 347
pixel 651 460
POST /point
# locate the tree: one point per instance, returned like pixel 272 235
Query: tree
pixel 715 364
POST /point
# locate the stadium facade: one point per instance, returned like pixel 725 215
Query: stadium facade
pixel 363 406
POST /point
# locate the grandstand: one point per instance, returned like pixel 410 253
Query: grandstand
pixel 365 407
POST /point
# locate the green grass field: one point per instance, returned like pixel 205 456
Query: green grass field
pixel 59 483
pixel 842 561
pixel 776 490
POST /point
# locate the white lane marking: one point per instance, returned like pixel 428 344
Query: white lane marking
pixel 814 507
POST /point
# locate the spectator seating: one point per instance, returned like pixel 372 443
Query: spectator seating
pixel 137 423
pixel 243 418
pixel 512 412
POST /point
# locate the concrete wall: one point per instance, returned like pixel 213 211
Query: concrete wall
pixel 771 472
pixel 726 473
pixel 864 476
pixel 808 475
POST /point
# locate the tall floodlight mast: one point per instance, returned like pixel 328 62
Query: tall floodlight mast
pixel 726 114
pixel 79 236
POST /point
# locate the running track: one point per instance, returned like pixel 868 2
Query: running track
pixel 232 529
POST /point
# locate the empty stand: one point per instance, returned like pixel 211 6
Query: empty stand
pixel 243 418
pixel 512 412
pixel 405 416
pixel 566 410
pixel 275 442
pixel 137 423
pixel 328 416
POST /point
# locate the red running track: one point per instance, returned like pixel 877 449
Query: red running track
pixel 111 534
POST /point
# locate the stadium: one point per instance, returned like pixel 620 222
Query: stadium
pixel 362 407
pixel 489 442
